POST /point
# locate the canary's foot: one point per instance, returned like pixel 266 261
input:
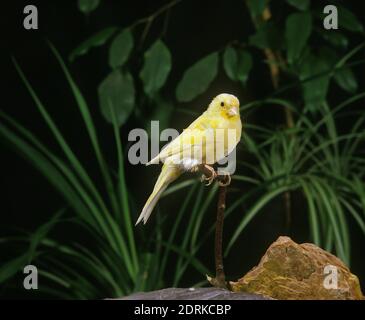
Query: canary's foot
pixel 225 180
pixel 211 174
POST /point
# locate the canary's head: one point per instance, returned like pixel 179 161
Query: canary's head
pixel 227 105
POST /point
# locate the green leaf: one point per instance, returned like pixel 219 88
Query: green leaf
pixel 123 191
pixel 268 36
pixel 117 92
pixel 87 6
pixel 345 78
pixel 314 90
pixel 10 268
pixel 197 78
pixel 348 20
pixel 156 67
pixel 297 31
pixel 85 113
pixel 256 7
pixel 41 233
pixel 299 4
pixel 244 66
pixel 120 49
pixel 237 64
pixel 335 38
pixel 98 39
pixel 252 212
pixel 162 111
pixel 230 61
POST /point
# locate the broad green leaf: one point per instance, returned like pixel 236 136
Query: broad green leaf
pixel 162 111
pixel 120 49
pixel 329 57
pixel 256 6
pixel 297 31
pixel 244 66
pixel 230 61
pixel 314 90
pixel 156 68
pixel 197 78
pixel 346 80
pixel 335 38
pixel 237 64
pixel 299 4
pixel 95 40
pixel 87 6
pixel 268 36
pixel 343 76
pixel 117 92
pixel 347 20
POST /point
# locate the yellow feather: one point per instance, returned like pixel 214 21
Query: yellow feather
pixel 222 113
pixel 168 174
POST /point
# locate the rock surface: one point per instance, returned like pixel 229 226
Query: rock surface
pixel 193 294
pixel 296 271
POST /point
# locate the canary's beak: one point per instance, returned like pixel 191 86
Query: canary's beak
pixel 233 111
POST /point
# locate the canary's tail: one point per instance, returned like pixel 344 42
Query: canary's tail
pixel 168 174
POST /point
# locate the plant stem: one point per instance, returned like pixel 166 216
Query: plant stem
pixel 220 277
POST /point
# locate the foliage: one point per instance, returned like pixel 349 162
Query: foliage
pixel 306 154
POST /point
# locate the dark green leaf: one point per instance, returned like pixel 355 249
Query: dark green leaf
pixel 197 78
pixel 329 57
pixel 299 4
pixel 95 40
pixel 335 38
pixel 156 67
pixel 87 6
pixel 256 6
pixel 346 80
pixel 244 66
pixel 117 92
pixel 298 29
pixel 268 36
pixel 41 233
pixel 314 90
pixel 230 61
pixel 120 49
pixel 10 268
pixel 162 111
pixel 348 20
pixel 237 64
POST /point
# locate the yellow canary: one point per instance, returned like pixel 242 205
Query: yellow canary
pixel 206 141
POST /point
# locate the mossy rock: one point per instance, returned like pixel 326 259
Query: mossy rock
pixel 298 271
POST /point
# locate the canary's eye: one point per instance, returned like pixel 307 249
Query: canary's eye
pixel 222 104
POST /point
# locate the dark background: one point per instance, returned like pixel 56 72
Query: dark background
pixel 196 28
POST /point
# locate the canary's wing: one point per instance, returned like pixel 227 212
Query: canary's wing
pixel 202 142
pixel 185 141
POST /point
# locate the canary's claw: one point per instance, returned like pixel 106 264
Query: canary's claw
pixel 226 180
pixel 211 177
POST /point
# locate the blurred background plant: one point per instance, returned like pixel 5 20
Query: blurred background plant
pixel 300 167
